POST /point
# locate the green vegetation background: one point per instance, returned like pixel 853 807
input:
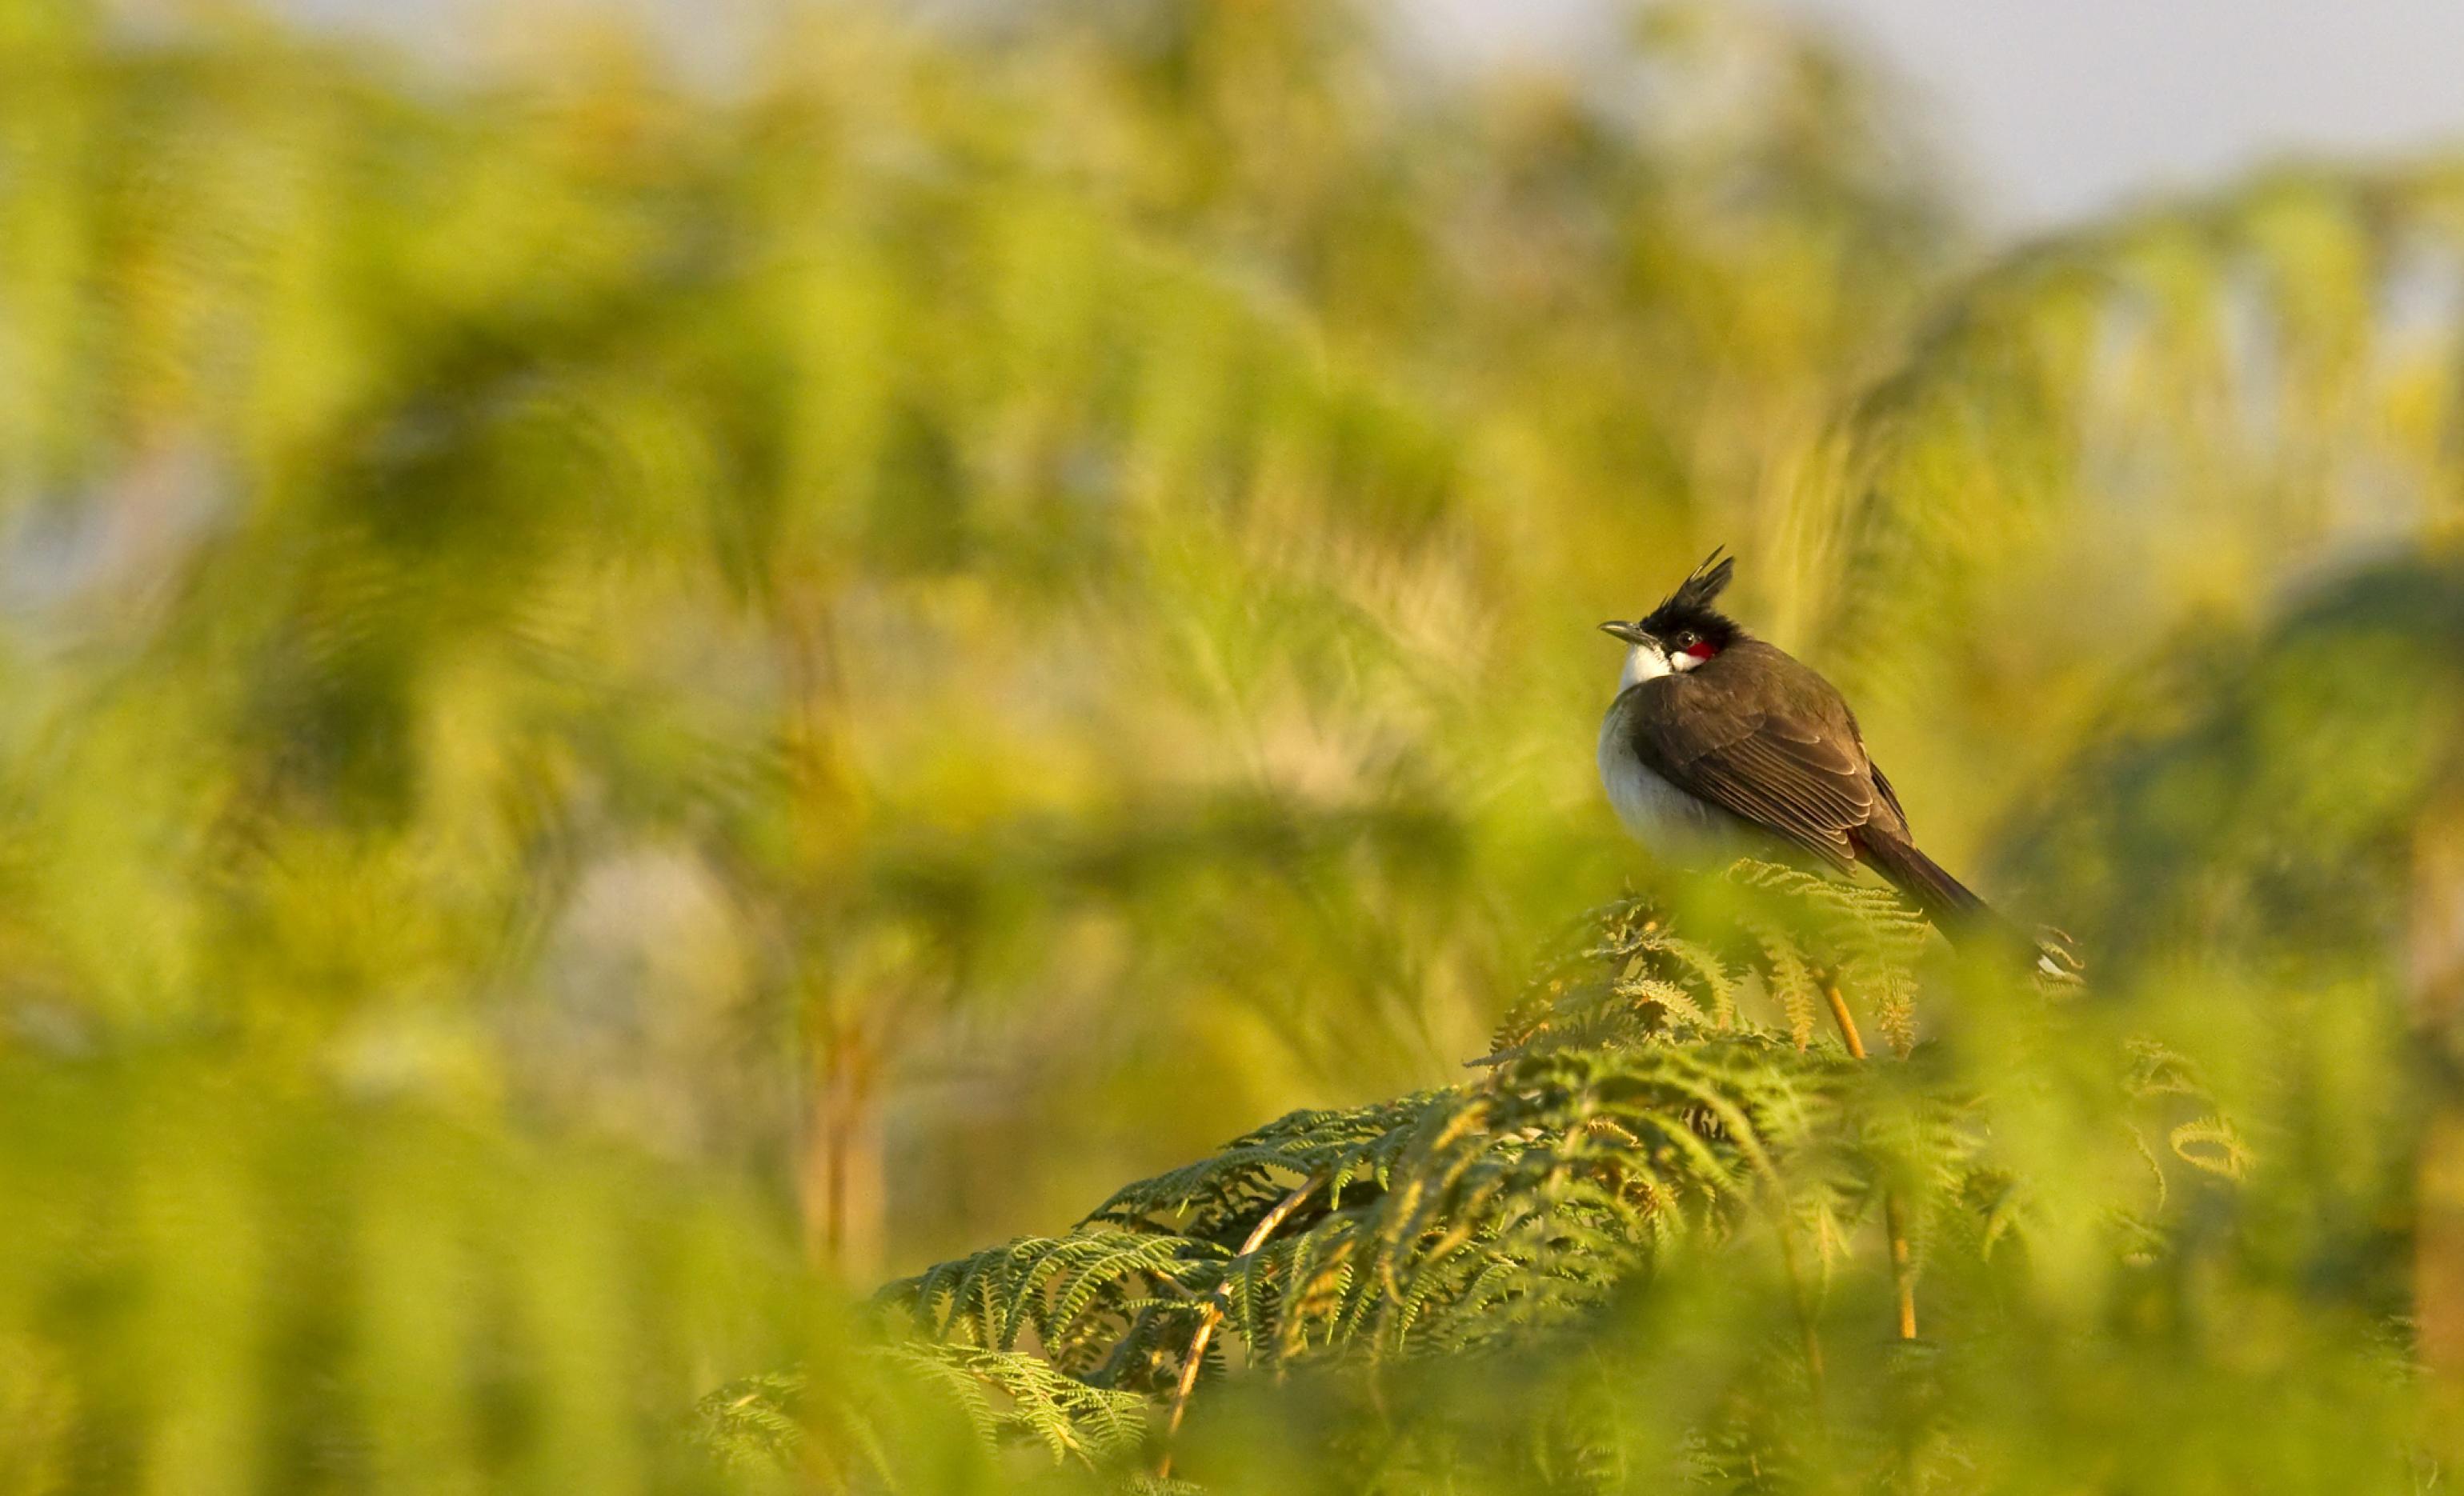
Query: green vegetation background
pixel 627 704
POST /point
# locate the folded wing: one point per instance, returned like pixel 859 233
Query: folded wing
pixel 1764 738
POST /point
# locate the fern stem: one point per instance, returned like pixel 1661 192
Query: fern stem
pixel 1904 1278
pixel 1904 1274
pixel 1803 1301
pixel 1212 1316
pixel 1847 1021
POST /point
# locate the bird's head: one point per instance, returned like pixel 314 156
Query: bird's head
pixel 1682 632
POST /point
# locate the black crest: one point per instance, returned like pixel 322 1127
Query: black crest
pixel 1690 604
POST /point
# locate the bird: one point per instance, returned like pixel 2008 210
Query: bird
pixel 1719 745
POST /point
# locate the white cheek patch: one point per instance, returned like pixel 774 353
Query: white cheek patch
pixel 1682 661
pixel 1642 663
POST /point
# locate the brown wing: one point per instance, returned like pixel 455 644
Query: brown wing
pixel 1890 796
pixel 1763 737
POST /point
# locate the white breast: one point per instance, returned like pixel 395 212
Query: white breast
pixel 1669 821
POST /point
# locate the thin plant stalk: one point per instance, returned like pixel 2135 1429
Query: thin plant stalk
pixel 1212 1316
pixel 1904 1281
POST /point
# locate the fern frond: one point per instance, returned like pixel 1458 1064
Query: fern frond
pixel 1012 1396
pixel 1630 1105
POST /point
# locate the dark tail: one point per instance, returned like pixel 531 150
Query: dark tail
pixel 1945 900
pixel 1954 906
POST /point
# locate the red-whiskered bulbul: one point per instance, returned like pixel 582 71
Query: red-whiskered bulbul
pixel 1720 744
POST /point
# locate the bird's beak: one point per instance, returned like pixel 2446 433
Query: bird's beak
pixel 1631 633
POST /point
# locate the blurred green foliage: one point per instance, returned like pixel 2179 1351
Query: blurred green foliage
pixel 623 702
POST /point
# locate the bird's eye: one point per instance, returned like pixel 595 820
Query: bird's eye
pixel 1685 639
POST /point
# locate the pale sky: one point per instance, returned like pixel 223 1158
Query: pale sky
pixel 2053 109
pixel 2058 109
